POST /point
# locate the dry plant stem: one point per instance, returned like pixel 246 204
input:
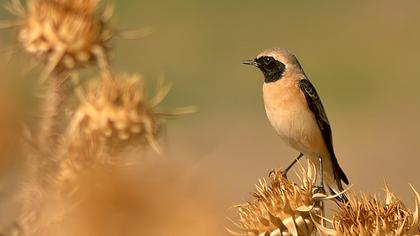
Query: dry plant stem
pixel 75 153
pixel 103 62
pixel 55 180
pixel 51 110
pixel 52 63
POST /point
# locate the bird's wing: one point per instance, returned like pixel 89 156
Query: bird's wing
pixel 315 105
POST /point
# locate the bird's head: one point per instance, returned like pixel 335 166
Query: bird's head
pixel 275 63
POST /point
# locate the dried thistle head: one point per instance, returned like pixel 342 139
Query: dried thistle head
pixel 115 111
pixel 80 5
pixel 280 207
pixel 65 34
pixel 112 116
pixel 367 215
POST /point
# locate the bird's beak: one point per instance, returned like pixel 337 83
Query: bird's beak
pixel 250 62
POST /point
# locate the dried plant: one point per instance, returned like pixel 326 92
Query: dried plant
pixel 108 104
pixel 65 34
pixel 52 103
pixel 112 116
pixel 281 207
pixel 367 215
pixel 116 111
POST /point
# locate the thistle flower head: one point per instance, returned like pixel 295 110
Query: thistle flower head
pixel 112 116
pixel 367 215
pixel 280 207
pixel 65 34
pixel 115 110
pixel 88 6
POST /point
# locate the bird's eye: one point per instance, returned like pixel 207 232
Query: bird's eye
pixel 267 60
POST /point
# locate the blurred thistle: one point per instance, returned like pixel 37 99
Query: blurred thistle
pixel 132 201
pixel 71 153
pixel 65 34
pixel 281 207
pixel 115 111
pixel 113 115
pixel 367 215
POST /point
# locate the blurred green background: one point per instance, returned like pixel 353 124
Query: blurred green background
pixel 362 56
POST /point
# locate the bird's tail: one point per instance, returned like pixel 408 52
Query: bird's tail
pixel 334 177
pixel 337 189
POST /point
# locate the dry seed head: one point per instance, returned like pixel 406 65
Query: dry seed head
pixel 65 34
pixel 280 207
pixel 367 215
pixel 88 6
pixel 115 110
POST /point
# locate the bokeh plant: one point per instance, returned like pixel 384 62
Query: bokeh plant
pixel 87 138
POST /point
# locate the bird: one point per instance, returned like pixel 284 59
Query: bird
pixel 296 113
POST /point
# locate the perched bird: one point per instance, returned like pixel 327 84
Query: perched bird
pixel 296 113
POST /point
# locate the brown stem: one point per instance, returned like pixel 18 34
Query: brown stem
pixel 51 110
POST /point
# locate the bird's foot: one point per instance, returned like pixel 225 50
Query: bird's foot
pixel 284 173
pixel 319 189
pixel 272 172
pixel 275 172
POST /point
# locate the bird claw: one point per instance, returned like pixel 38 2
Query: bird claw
pixel 275 172
pixel 272 173
pixel 284 173
pixel 319 189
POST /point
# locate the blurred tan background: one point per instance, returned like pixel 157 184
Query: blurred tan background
pixel 363 57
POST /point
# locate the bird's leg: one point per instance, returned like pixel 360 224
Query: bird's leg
pixel 320 187
pixel 284 172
